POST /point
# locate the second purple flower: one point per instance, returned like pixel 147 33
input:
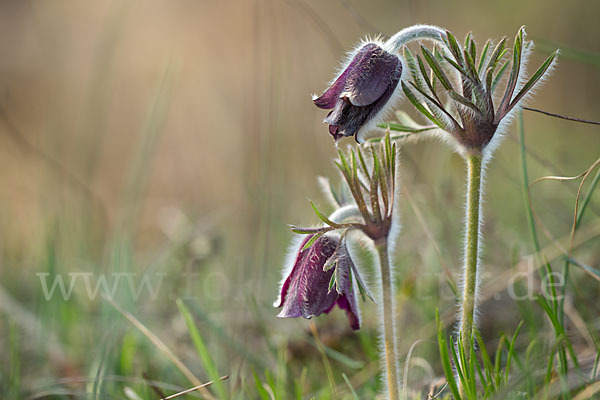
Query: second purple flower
pixel 307 290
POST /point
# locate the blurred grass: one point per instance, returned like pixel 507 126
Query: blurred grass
pixel 180 138
pixel 568 52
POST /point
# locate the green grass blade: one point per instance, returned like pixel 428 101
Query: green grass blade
pixel 568 52
pixel 550 366
pixel 325 360
pixel 446 364
pixel 487 362
pixel 14 384
pixel 591 270
pixel 202 350
pixel 472 377
pixel 100 371
pixel 138 175
pixel 262 392
pixel 161 346
pixel 352 392
pixel 596 364
pixel 459 364
pixel 525 186
pixel 587 198
pixel 511 349
pixel 498 360
pixel 300 383
pixel 482 377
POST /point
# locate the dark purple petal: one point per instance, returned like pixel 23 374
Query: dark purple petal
pixel 333 131
pixel 328 99
pixel 286 284
pixel 371 76
pixel 347 299
pixel 368 84
pixel 348 302
pixel 305 293
pixel 349 119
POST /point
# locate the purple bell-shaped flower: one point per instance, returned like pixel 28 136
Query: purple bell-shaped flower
pixel 359 95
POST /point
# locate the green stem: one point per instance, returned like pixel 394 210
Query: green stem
pixel 389 337
pixel 471 250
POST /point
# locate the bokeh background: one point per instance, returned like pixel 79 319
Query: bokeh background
pixel 161 137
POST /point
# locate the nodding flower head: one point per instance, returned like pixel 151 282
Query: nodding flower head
pixel 307 290
pixel 362 92
pixel 320 272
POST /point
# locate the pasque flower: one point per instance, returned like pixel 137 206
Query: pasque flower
pixel 322 272
pixel 361 91
pixel 367 86
pixel 461 93
pixel 455 88
pixel 307 290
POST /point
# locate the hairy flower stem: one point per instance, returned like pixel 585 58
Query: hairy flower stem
pixel 389 337
pixel 470 279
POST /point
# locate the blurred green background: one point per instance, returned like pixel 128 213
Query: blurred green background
pixel 161 137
